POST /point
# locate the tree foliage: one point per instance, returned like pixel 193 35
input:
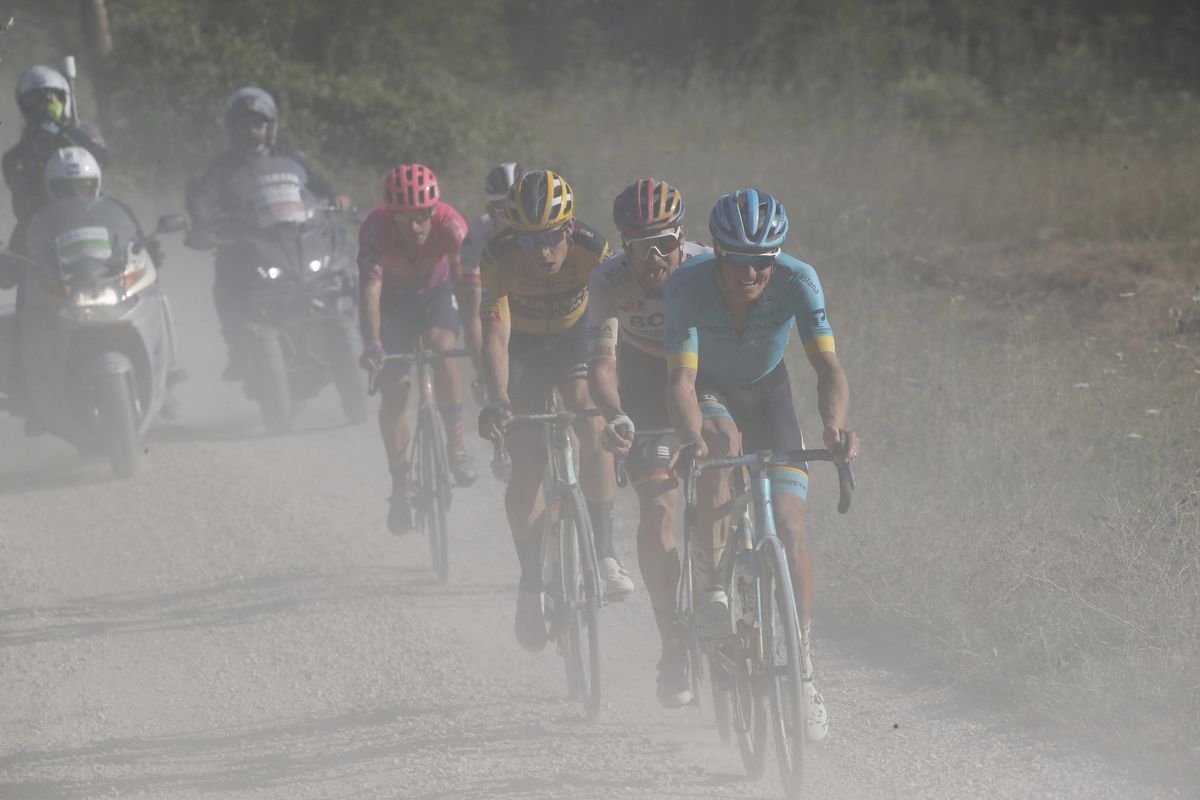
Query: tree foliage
pixel 376 81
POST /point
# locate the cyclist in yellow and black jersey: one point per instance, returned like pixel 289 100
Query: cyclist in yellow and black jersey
pixel 534 300
pixel 535 276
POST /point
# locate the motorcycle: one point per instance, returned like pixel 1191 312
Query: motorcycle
pixel 95 345
pixel 297 294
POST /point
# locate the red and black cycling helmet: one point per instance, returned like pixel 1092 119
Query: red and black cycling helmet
pixel 647 205
pixel 410 187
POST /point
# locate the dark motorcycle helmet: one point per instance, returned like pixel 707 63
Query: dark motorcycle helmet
pixel 246 111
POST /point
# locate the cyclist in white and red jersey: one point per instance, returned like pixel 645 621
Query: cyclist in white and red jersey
pixel 495 187
pixel 627 306
pixel 412 277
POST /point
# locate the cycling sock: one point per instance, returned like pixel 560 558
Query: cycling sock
pixel 601 515
pixel 529 554
pixel 399 470
pixel 806 666
pixel 452 417
pixel 668 626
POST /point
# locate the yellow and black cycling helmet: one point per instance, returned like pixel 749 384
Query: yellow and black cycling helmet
pixel 647 205
pixel 541 200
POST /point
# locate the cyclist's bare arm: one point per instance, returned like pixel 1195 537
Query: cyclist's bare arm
pixel 495 331
pixel 602 382
pixel 684 408
pixel 368 311
pixel 833 403
pixel 467 291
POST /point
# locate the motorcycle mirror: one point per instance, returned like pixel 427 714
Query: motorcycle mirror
pixel 68 65
pixel 170 223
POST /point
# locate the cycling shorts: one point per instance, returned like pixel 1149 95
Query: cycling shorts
pixel 765 415
pixel 539 363
pixel 406 317
pixel 643 382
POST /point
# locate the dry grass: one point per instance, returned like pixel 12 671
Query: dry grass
pixel 1029 503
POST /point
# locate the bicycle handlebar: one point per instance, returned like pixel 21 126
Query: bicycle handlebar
pixel 622 474
pixel 419 357
pixel 502 464
pixel 767 458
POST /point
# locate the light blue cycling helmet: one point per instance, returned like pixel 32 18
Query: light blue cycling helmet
pixel 749 221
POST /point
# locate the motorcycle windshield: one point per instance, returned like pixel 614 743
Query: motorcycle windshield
pixel 274 191
pixel 79 246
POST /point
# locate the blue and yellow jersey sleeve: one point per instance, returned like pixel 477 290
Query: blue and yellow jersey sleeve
pixel 807 304
pixel 681 337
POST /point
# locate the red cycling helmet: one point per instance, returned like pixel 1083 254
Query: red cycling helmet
pixel 409 187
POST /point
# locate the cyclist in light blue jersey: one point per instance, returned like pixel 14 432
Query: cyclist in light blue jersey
pixel 728 319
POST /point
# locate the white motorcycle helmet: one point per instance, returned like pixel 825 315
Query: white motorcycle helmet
pixel 71 172
pixel 36 80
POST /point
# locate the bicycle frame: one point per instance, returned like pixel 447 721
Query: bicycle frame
pixel 428 454
pixel 757 577
pixel 568 551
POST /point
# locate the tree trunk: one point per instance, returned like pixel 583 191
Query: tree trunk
pixel 99 43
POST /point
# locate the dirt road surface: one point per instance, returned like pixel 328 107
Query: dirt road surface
pixel 238 623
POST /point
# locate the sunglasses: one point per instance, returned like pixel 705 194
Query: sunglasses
pixel 34 100
pixel 660 244
pixel 756 261
pixel 409 217
pixel 253 122
pixel 536 240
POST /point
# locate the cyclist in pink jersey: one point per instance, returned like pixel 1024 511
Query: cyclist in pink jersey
pixel 414 287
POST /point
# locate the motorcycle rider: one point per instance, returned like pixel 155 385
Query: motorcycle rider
pixel 214 204
pixel 413 286
pixel 64 229
pixel 44 97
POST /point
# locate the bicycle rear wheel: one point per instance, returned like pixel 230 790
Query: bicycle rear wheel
pixel 721 684
pixel 582 588
pixel 781 645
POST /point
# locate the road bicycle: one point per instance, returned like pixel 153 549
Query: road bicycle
pixel 570 575
pixel 430 479
pixel 757 668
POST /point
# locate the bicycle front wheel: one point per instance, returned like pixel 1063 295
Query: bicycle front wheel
pixel 433 489
pixel 781 647
pixel 582 588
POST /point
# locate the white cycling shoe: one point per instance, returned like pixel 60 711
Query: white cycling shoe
pixel 617 581
pixel 710 616
pixel 816 718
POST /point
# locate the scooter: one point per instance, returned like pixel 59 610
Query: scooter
pixel 95 349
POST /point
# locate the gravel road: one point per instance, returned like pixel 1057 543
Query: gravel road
pixel 238 623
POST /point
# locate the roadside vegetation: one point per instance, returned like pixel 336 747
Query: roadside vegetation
pixel 1002 200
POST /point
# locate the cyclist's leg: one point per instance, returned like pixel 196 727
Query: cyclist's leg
pixel 658 500
pixel 399 329
pixel 713 490
pixel 658 557
pixel 777 424
pixel 441 335
pixel 524 502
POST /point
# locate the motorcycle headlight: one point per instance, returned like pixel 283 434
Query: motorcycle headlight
pixel 270 273
pixel 316 264
pixel 105 296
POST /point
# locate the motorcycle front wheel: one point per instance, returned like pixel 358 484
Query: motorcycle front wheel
pixel 272 389
pixel 118 426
